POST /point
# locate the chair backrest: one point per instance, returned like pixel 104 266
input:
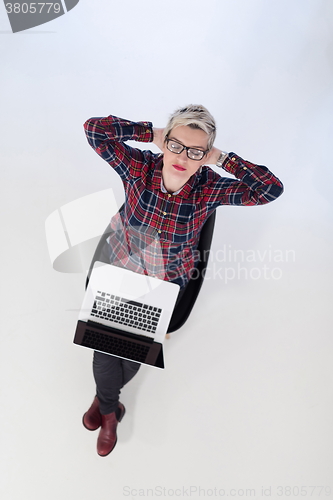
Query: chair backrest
pixel 98 250
pixel 185 305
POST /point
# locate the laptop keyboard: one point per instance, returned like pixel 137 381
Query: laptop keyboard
pixel 116 346
pixel 126 312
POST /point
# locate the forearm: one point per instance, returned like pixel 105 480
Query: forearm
pixel 264 185
pixel 107 136
pixel 112 129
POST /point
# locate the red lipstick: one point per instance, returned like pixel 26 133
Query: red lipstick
pixel 178 167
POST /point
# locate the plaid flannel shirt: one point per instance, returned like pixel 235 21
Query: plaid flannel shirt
pixel 157 232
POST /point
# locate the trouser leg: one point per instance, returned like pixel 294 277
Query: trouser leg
pixel 111 374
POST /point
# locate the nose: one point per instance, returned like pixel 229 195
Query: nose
pixel 183 156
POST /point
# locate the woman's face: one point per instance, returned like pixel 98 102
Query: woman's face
pixel 178 168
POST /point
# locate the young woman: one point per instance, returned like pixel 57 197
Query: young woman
pixel 168 197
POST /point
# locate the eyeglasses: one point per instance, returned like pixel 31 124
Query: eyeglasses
pixel 192 153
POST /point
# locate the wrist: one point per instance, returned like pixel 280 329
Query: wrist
pixel 221 158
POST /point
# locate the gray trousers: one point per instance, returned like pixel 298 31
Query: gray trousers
pixel 111 374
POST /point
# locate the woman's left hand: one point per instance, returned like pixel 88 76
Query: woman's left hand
pixel 213 156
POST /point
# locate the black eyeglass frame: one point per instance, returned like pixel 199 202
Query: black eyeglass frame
pixel 168 139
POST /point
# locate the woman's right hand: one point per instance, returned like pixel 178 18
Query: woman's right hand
pixel 158 137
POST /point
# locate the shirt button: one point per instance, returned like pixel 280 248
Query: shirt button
pixel 169 195
pixel 159 231
pixel 233 159
pixel 164 213
pixel 244 168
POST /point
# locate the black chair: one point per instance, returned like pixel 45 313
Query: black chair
pixel 185 304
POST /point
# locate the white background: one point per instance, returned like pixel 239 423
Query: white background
pixel 246 398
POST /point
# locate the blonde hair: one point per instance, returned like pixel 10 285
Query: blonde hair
pixel 194 116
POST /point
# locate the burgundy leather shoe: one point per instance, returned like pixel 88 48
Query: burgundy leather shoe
pixel 107 438
pixel 92 419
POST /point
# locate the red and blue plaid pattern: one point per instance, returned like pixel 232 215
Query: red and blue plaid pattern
pixel 157 233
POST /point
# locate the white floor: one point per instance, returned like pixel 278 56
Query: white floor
pixel 244 407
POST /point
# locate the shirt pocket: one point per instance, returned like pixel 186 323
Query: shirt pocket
pixel 184 225
pixel 185 214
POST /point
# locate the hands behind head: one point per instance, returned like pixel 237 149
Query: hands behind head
pixel 213 155
pixel 158 137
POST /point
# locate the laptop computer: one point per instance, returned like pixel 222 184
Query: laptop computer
pixel 126 314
